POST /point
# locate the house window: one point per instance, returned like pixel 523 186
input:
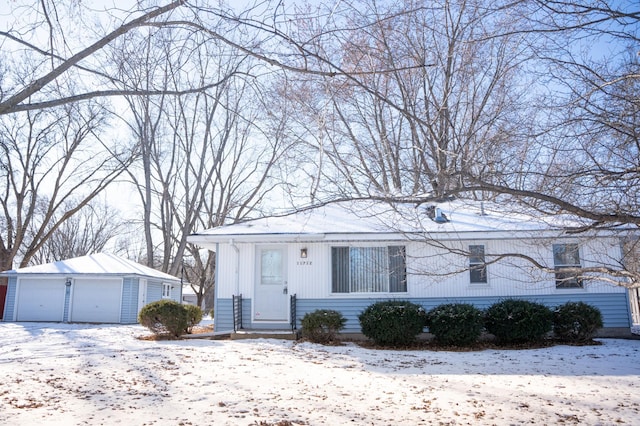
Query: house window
pixel 477 266
pixel 566 257
pixel 368 270
pixel 166 291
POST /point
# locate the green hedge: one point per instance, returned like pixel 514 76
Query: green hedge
pixel 518 321
pixel 322 325
pixel 576 322
pixel 168 317
pixel 392 323
pixel 457 324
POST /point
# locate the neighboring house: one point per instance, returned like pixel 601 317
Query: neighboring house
pixel 345 256
pixel 189 297
pixel 100 288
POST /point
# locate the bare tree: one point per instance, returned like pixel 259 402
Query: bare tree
pixel 88 231
pixel 428 91
pixel 204 158
pixel 33 92
pixel 53 164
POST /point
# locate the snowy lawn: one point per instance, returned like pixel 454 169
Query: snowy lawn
pixel 83 374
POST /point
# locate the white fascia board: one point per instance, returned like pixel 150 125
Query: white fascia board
pixel 209 240
pixel 205 240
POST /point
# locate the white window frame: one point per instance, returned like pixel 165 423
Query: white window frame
pixel 563 279
pixel 481 265
pixel 166 291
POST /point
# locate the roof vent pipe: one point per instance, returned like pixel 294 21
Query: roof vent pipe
pixel 440 216
pixel 436 214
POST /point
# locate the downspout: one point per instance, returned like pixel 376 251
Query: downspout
pixel 215 288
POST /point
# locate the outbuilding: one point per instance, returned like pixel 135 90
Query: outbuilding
pixel 99 288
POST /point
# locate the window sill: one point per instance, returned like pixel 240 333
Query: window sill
pixel 369 295
pixel 478 286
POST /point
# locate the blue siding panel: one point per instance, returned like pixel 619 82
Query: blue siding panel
pixel 223 315
pixel 154 291
pixel 10 301
pixel 223 320
pixel 129 311
pixel 613 306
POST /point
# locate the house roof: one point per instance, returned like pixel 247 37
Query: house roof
pixel 94 264
pixel 354 219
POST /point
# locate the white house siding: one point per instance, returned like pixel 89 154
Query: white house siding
pixel 432 272
pixel 509 277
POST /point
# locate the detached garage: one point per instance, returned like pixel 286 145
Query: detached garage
pixel 100 288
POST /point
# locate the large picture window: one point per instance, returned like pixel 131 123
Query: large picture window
pixel 368 270
pixel 565 257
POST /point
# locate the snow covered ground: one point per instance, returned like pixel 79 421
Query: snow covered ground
pixel 82 374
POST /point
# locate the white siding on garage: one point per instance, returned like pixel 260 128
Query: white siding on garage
pixel 40 299
pixel 96 300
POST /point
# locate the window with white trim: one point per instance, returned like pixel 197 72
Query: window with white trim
pixel 368 269
pixel 166 291
pixel 566 257
pixel 477 265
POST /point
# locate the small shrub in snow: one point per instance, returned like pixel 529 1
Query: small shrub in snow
pixel 518 321
pixel 576 322
pixel 457 324
pixel 322 325
pixel 164 317
pixel 194 316
pixel 392 323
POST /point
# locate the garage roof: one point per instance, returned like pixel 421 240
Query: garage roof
pixel 94 264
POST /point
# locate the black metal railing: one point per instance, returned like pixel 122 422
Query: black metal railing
pixel 292 310
pixel 237 312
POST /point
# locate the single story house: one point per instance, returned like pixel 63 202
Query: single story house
pixel 345 256
pixel 99 288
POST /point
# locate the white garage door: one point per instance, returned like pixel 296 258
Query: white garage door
pixel 40 299
pixel 96 300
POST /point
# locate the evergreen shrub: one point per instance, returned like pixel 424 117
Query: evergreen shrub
pixel 576 322
pixel 518 321
pixel 194 316
pixel 393 322
pixel 456 324
pixel 322 325
pixel 164 317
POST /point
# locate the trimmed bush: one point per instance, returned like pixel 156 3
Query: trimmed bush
pixel 457 324
pixel 194 316
pixel 392 323
pixel 164 317
pixel 576 322
pixel 518 321
pixel 322 325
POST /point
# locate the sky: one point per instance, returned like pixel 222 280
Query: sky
pixel 78 374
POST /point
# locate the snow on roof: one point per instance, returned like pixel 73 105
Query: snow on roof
pixel 94 264
pixel 374 217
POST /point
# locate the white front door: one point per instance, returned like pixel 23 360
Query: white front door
pixel 271 294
